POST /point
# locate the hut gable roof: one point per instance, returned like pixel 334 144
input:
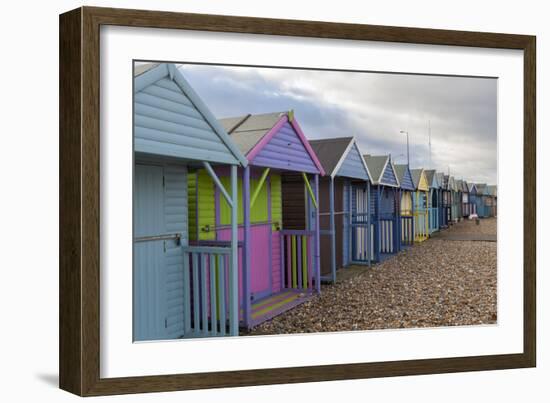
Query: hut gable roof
pixel 431 177
pixel 404 176
pixel 171 120
pixel 419 179
pixel 481 188
pixel 341 157
pixel 473 188
pixel 449 183
pixel 273 140
pixel 440 179
pixel 382 170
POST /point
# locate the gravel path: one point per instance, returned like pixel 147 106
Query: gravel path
pixel 487 226
pixel 435 283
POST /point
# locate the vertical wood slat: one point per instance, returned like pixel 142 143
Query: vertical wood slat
pixel 282 246
pixel 293 243
pixel 298 262
pixel 204 307
pixel 213 301
pixel 304 262
pixel 195 292
pixel 221 274
pixel 186 295
pixel 310 265
pixel 288 262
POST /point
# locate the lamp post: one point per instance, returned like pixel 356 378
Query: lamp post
pixel 407 133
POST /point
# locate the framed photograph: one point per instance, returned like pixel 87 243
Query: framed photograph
pixel 248 201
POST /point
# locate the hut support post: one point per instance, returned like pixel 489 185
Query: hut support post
pixel 317 235
pixel 246 248
pixel 378 201
pixel 399 220
pixel 369 251
pixel 350 222
pixel 259 187
pixel 218 183
pixel 234 301
pixel 332 231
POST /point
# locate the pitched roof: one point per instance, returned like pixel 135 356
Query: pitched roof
pixel 416 175
pixel 481 188
pixel 430 173
pixel 400 171
pixel 247 130
pixel 330 151
pixel 440 179
pixel 161 75
pixel 139 69
pixel 446 182
pixel 377 164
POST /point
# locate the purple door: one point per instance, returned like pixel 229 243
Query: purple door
pixel 260 262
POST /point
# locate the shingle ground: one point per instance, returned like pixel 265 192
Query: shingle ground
pixel 435 283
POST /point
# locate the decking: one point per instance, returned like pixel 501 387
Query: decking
pixel 267 308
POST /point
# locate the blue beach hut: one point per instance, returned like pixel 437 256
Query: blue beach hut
pixel 344 236
pixel 383 206
pixel 406 205
pixel 434 200
pixel 179 290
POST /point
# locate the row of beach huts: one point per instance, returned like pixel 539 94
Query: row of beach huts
pixel 237 220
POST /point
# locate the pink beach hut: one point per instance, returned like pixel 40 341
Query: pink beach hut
pixel 279 268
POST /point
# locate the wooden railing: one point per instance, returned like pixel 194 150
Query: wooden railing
pixel 433 218
pixel 386 238
pixel 407 234
pixel 362 247
pixel 209 292
pixel 297 259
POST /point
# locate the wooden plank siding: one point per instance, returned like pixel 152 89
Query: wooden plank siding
pixel 324 222
pixel 167 122
pixel 285 150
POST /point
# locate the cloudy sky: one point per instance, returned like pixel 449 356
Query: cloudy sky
pixel 373 107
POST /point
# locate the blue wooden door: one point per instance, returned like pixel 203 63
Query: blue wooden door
pixel 362 240
pixel 149 319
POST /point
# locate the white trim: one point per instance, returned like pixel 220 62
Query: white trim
pixel 170 70
pixel 352 143
pixel 180 80
pixel 394 174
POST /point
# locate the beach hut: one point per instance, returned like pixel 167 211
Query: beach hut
pixel 279 262
pixel 179 290
pixel 455 200
pixel 383 206
pixel 406 205
pixel 446 201
pixel 434 200
pixel 420 199
pixel 493 195
pixel 473 198
pixel 482 200
pixel 464 198
pixel 344 237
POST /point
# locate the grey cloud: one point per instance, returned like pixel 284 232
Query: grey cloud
pixel 373 107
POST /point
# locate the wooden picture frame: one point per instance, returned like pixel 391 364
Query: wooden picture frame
pixel 79 281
